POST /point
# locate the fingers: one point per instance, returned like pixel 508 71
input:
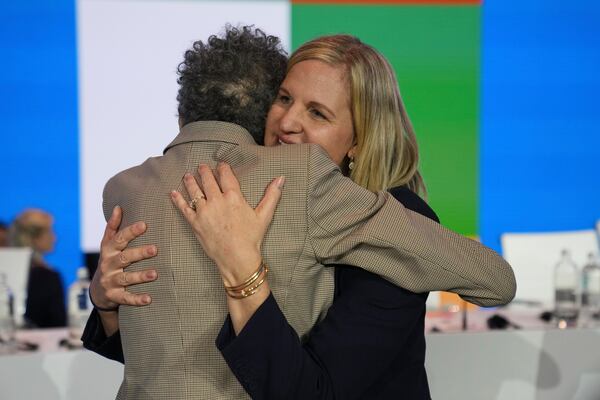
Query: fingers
pixel 112 225
pixel 115 219
pixel 108 291
pixel 227 179
pixel 209 183
pixel 132 299
pixel 126 235
pixel 125 278
pixel 268 204
pixel 108 286
pixel 192 187
pixel 183 205
pixel 129 256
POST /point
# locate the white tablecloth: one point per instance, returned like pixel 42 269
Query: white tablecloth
pixel 502 365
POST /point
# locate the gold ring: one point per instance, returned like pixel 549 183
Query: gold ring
pixel 195 200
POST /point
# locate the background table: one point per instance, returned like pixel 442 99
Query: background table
pixel 546 364
pixel 515 365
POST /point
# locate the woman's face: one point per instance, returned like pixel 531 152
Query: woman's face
pixel 313 106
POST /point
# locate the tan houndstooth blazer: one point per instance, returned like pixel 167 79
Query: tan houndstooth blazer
pixel 322 218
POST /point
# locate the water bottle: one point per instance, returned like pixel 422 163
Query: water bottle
pixel 79 305
pixel 565 291
pixel 590 292
pixel 7 322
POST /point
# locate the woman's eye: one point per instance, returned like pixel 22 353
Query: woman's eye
pixel 317 114
pixel 283 98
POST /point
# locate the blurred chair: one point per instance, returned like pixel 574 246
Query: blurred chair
pixel 534 255
pixel 14 263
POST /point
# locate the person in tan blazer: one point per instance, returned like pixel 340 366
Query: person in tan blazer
pixel 322 218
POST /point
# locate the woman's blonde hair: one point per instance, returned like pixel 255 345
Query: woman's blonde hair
pixel 386 153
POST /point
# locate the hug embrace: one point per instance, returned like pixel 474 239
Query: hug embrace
pixel 281 247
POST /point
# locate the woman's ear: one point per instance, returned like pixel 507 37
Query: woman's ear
pixel 352 152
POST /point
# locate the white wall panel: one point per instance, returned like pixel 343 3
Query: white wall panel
pixel 128 52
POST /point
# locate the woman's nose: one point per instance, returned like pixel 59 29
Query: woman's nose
pixel 290 122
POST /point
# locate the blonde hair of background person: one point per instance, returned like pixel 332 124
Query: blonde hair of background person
pixel 33 228
pixel 386 152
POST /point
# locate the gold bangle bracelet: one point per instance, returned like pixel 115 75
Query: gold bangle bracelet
pixel 249 290
pixel 248 281
pixel 244 292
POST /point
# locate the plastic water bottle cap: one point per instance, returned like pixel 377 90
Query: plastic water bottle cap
pixel 82 273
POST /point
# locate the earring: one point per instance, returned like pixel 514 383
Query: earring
pixel 351 164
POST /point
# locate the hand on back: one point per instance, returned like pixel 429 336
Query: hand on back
pixel 228 228
pixel 108 288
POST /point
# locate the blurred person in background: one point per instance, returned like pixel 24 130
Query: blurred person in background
pixel 45 307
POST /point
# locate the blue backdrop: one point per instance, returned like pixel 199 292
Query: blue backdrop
pixel 38 119
pixel 540 141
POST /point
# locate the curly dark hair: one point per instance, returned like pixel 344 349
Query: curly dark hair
pixel 233 78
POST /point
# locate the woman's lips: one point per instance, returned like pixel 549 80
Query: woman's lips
pixel 284 140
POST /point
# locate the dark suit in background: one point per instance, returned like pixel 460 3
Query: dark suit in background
pixel 45 306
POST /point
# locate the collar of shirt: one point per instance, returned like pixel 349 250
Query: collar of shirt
pixel 212 131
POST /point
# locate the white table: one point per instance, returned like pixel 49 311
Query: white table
pixel 501 365
pixel 515 365
pixel 72 375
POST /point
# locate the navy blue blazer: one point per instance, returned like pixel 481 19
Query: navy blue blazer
pixel 371 344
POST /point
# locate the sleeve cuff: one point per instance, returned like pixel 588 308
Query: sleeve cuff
pixel 251 353
pixel 94 339
pixel 229 344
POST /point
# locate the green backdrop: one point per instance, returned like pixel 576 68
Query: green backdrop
pixel 435 52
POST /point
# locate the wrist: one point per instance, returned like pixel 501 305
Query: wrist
pixel 235 272
pixel 251 285
pixel 256 299
pixel 102 307
pixel 242 310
